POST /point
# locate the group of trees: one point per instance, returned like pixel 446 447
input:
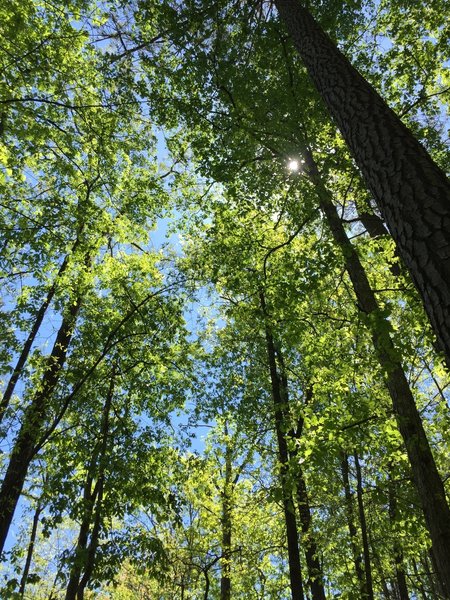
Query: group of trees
pixel 286 323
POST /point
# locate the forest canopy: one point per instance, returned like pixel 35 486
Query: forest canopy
pixel 225 308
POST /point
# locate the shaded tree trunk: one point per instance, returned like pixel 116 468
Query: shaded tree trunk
pixel 426 477
pixel 295 571
pixel 225 581
pixel 30 550
pixel 29 342
pixel 33 422
pixel 362 520
pixel 357 558
pixel 84 555
pixel 400 576
pixel 411 191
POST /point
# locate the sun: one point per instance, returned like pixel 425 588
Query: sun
pixel 293 165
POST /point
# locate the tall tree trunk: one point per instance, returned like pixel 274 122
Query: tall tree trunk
pixel 30 550
pixel 93 544
pixel 400 576
pixel 33 422
pixel 411 191
pixel 426 477
pixel 362 520
pixel 357 558
pixel 9 390
pixel 295 571
pixel 225 580
pixel 419 585
pixel 315 573
pixel 84 556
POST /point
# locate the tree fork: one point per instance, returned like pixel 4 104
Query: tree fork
pixel 412 192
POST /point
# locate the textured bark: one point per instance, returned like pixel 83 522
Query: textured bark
pixel 33 422
pixel 295 571
pixel 30 550
pixel 368 592
pixel 426 477
pixel 411 191
pixel 357 558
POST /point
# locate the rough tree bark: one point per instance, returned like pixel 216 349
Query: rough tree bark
pixel 411 191
pixel 426 477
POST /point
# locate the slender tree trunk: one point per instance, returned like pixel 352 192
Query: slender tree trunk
pixel 30 550
pixel 93 545
pixel 397 550
pixel 426 477
pixel 34 420
pixel 419 586
pixel 29 342
pixel 411 191
pixel 295 572
pixel 379 568
pixel 84 556
pixel 362 519
pixel 312 562
pixel 357 558
pixel 225 580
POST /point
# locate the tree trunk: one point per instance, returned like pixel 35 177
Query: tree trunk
pixel 426 477
pixel 29 342
pixel 34 420
pixel 368 593
pixel 357 558
pixel 315 573
pixel 30 550
pixel 411 191
pixel 400 576
pixel 295 572
pixel 225 581
pixel 84 556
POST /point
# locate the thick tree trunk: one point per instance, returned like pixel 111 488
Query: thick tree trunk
pixel 411 191
pixel 426 477
pixel 295 571
pixel 368 593
pixel 34 420
pixel 357 558
pixel 30 550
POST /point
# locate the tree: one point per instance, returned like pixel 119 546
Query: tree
pixel 410 189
